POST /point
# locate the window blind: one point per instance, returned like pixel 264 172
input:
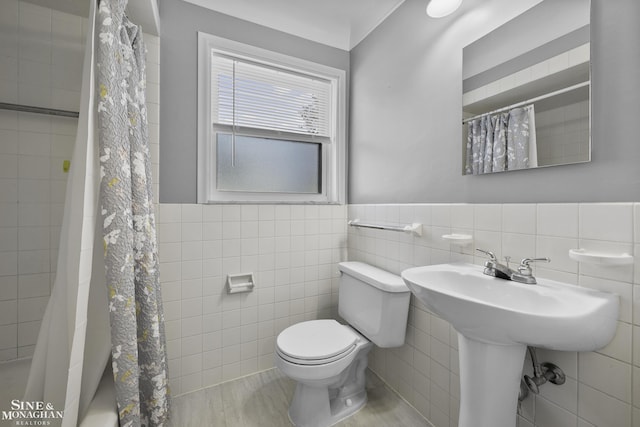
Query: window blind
pixel 256 96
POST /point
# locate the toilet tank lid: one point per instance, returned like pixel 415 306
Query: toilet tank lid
pixel 374 276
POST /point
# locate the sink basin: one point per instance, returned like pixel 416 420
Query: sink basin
pixel 497 319
pixel 551 314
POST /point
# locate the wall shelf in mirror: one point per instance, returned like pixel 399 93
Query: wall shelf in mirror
pixel 601 258
pixel 547 96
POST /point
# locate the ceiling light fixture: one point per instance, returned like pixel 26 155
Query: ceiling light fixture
pixel 442 8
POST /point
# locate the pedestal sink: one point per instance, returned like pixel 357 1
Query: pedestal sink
pixel 497 319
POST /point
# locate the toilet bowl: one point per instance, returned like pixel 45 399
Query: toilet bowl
pixel 328 359
pixel 330 377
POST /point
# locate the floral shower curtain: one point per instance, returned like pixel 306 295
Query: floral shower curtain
pixel 138 345
pixel 501 142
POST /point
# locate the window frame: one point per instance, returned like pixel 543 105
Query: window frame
pixel 333 152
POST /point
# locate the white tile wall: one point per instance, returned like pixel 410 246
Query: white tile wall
pixel 602 388
pixel 293 251
pixel 40 64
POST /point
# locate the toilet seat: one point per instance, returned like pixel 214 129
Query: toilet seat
pixel 316 342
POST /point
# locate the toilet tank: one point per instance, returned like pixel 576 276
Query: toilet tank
pixel 375 302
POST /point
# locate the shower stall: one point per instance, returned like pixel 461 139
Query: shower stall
pixel 44 111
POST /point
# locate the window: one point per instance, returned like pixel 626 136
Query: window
pixel 271 127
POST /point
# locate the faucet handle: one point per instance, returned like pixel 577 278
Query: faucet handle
pixel 491 255
pixel 527 261
pixel 525 267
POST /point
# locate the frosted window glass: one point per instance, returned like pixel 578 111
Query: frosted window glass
pixel 267 165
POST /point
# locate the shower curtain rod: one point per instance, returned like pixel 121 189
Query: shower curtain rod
pixel 530 101
pixel 38 110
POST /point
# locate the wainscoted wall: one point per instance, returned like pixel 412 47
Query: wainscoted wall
pixel 602 388
pixel 293 252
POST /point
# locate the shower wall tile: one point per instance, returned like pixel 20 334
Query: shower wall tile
pixel 8 287
pixel 31 309
pixel 9 191
pixel 8 238
pixel 9 263
pixel 41 55
pixel 8 312
pixel 34 285
pixel 9 166
pixel 602 387
pixel 8 337
pixel 8 141
pixel 27 336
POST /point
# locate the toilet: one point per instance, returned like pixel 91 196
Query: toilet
pixel 328 359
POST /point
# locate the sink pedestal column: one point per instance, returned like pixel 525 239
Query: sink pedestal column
pixel 489 383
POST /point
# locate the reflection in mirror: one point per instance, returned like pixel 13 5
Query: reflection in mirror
pixel 526 91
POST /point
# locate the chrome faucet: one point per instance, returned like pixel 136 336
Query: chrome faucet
pixel 523 274
pixel 493 268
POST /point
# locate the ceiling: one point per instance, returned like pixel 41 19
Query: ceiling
pixel 338 23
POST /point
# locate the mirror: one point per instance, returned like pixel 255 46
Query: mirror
pixel 526 91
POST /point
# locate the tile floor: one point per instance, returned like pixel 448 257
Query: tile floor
pixel 263 399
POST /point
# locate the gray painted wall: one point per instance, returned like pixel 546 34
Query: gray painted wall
pixel 406 85
pixel 180 22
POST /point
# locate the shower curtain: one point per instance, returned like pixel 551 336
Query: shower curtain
pixel 86 305
pixel 500 142
pixel 138 347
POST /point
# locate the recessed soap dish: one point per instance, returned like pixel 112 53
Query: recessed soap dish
pixel 602 258
pixel 242 282
pixel 458 239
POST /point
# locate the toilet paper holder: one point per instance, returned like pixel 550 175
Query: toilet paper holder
pixel 241 282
